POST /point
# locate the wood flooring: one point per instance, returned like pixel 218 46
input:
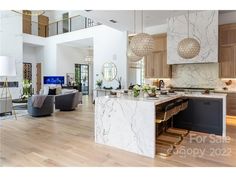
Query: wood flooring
pixel 67 139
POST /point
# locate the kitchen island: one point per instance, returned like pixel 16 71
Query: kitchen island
pixel 128 123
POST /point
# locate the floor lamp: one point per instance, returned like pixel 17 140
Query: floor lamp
pixel 7 69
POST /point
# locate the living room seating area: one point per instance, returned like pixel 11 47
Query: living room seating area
pixel 67 101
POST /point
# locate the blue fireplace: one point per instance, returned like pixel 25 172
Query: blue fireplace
pixel 53 79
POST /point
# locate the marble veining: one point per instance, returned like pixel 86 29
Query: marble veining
pixel 129 123
pixel 203 26
pixel 196 75
pixel 125 124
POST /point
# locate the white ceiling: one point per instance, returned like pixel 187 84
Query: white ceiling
pixel 125 18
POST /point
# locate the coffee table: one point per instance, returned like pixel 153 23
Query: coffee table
pixel 21 104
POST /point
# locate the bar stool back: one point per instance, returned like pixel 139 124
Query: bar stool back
pixel 181 105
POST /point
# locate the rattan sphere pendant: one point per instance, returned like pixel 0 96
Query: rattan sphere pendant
pixel 131 56
pixel 142 44
pixel 188 48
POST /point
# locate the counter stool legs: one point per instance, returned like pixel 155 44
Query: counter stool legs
pixel 167 140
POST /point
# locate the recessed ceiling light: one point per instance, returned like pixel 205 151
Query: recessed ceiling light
pixel 88 10
pixel 113 21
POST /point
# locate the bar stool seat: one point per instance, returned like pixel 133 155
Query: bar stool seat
pixel 170 138
pixel 178 131
pixel 164 150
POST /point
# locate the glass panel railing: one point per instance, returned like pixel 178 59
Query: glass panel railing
pixel 77 23
pixel 53 29
pixel 34 28
pixel 63 26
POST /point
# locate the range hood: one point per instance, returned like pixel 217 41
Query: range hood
pixel 203 26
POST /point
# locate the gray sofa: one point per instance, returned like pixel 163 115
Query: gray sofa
pixel 5 105
pixel 67 102
pixel 46 109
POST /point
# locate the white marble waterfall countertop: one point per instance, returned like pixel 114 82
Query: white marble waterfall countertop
pixel 156 100
pixel 171 96
pixel 210 95
pixel 128 123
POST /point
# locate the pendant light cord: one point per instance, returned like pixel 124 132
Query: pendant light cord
pixel 188 23
pixel 142 21
pixel 134 21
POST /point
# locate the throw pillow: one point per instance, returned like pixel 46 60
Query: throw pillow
pixel 58 90
pixel 52 92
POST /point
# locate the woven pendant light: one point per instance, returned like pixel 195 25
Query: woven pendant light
pixel 142 44
pixel 188 48
pixel 131 56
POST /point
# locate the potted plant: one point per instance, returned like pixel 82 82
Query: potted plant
pixel 145 89
pixel 26 89
pixel 99 83
pixel 153 91
pixel 136 90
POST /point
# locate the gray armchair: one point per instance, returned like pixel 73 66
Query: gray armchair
pixel 67 102
pixel 46 109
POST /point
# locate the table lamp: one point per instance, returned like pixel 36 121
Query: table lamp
pixel 7 69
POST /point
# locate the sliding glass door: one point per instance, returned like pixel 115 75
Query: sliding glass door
pixel 82 77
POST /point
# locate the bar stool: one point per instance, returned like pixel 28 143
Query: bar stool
pixel 164 148
pixel 162 116
pixel 180 105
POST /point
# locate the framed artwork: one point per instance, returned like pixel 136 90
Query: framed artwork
pixel 70 79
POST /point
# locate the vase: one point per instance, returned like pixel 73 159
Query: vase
pixel 145 94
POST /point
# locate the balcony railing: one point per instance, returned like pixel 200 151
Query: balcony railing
pixel 59 27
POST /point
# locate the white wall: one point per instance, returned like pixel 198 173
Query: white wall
pixel 110 45
pixel 68 56
pixel 11 44
pixel 33 55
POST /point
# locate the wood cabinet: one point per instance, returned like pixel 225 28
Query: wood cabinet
pixel 26 22
pixel 43 29
pixel 227 51
pixel 156 63
pixel 231 104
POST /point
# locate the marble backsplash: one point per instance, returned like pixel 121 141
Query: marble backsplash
pixel 197 76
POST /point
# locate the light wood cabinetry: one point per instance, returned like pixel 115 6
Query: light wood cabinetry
pixel 156 63
pixel 231 104
pixel 227 51
pixel 43 22
pixel 26 22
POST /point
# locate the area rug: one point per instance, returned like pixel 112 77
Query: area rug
pixel 19 114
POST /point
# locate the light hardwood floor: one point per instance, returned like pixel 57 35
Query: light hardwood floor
pixel 67 139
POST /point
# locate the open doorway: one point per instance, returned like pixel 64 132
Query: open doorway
pixel 75 60
pixel 82 77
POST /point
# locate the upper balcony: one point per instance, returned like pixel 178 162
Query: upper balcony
pixel 43 28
